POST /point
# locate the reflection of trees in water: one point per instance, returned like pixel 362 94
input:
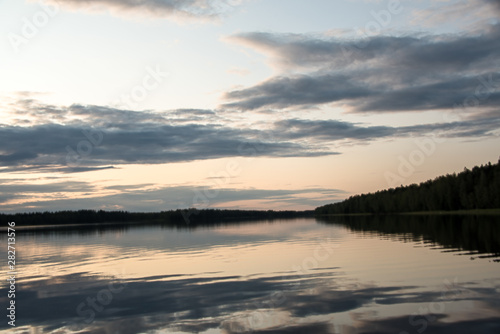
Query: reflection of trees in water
pixel 101 228
pixel 476 233
pixel 173 217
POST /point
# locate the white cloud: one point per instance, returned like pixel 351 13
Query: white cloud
pixel 171 9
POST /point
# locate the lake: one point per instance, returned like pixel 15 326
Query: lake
pixel 391 274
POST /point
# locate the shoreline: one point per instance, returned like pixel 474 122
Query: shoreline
pixel 492 212
pixel 180 218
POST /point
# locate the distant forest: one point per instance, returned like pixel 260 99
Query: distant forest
pixel 186 217
pixel 478 188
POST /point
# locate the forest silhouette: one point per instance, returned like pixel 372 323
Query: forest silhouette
pixel 478 188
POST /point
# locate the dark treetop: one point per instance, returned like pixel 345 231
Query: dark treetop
pixel 478 188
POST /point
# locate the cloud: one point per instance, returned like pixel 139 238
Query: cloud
pixel 147 198
pixel 471 14
pixel 89 138
pixel 25 191
pixel 67 186
pixel 376 74
pixel 100 137
pixel 422 51
pixel 58 146
pixel 331 130
pixel 172 9
pixel 304 90
pixel 334 130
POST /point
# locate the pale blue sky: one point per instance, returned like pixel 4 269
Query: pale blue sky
pixel 102 53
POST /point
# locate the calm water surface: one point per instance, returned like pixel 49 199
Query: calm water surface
pixel 344 275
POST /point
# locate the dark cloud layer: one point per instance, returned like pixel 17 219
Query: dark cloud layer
pixel 86 138
pixel 376 74
pixel 333 130
pixel 58 146
pixel 302 90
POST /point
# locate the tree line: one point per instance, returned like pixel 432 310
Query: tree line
pixel 478 188
pixel 174 217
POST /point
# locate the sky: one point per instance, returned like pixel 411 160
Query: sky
pixel 240 104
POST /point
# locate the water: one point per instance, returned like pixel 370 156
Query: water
pixel 400 275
